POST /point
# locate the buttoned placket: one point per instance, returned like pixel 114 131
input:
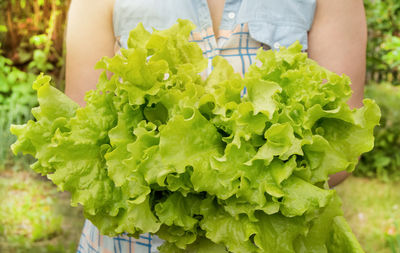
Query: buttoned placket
pixel 228 21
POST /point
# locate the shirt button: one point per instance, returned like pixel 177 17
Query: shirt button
pixel 277 45
pixel 231 15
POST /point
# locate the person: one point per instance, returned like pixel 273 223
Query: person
pixel 333 33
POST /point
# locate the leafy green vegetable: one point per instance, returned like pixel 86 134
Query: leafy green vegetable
pixel 157 149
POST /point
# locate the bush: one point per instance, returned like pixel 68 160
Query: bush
pixel 392 57
pixel 16 100
pixel 384 160
pixel 32 34
pixel 31 46
pixel 383 19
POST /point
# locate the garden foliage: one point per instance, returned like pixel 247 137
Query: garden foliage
pixel 158 149
pixel 383 20
pixel 34 35
pixel 384 160
pixel 16 100
pixel 30 46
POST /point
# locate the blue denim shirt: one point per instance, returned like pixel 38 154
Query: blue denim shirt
pixel 269 21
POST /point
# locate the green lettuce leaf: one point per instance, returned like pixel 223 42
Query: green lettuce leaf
pixel 159 150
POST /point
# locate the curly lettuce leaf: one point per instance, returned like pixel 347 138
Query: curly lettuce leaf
pixel 158 149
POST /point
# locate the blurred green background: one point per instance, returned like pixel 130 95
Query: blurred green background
pixel 34 217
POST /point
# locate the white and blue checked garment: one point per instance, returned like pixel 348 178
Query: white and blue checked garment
pixel 93 242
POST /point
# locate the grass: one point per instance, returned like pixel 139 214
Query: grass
pixel 34 217
pixel 372 209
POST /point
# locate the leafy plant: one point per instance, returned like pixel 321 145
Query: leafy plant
pixel 39 62
pixel 158 149
pixel 384 160
pixel 16 100
pixel 383 19
pixel 392 57
pixel 33 45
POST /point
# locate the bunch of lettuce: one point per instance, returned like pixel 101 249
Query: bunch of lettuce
pixel 158 149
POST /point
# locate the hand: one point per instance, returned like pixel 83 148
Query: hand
pixel 337 178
